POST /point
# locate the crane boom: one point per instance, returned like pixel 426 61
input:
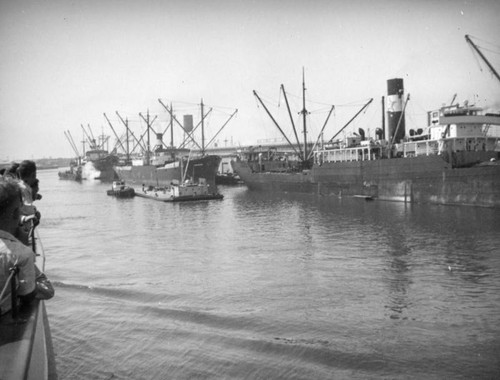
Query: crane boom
pixel 349 122
pixel 467 38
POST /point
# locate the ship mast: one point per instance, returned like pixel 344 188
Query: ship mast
pixel 171 129
pixel 303 155
pixel 149 123
pixel 467 38
pixel 188 133
pixel 118 138
pixel 129 131
pixel 202 129
pixel 291 119
pixel 304 113
pixel 275 122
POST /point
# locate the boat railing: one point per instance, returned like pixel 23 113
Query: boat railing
pixel 26 344
pixel 26 349
pixel 11 281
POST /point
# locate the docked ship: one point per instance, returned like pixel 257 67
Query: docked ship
pixel 101 161
pixel 167 165
pixel 454 160
pixel 164 164
pixel 95 163
pixel 103 164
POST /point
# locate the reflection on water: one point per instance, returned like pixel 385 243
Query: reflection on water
pixel 270 286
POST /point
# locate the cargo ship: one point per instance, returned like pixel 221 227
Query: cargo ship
pixel 452 161
pixel 98 162
pixel 103 164
pixel 168 165
pixel 165 163
pixel 95 163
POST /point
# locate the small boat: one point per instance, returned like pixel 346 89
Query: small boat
pixel 73 174
pixel 228 179
pixel 120 190
pixel 180 192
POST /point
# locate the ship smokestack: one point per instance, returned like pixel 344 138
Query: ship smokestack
pixel 188 123
pixel 395 91
pixel 159 141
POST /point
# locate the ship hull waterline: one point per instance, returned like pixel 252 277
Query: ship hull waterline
pixel 425 179
pixel 205 167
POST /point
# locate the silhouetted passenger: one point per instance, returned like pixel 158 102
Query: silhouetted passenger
pixel 13 253
pixel 30 216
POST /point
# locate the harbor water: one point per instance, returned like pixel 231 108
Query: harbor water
pixel 260 286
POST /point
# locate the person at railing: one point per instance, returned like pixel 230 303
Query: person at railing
pixel 30 216
pixel 13 253
pixel 35 190
pixel 11 171
pixel 28 184
pixel 25 174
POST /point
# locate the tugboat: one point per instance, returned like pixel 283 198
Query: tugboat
pixel 73 174
pixel 120 190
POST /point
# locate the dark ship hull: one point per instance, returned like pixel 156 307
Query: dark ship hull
pixel 106 167
pixel 149 175
pixel 425 179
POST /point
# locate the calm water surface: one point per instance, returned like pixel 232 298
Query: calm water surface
pixel 269 287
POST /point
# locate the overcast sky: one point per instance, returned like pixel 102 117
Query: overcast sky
pixel 65 63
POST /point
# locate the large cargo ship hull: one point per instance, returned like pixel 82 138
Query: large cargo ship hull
pixel 105 167
pixel 102 163
pixel 426 179
pixel 204 167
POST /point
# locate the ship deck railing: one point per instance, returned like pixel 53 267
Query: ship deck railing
pixel 358 153
pixel 371 152
pixel 452 144
pixel 420 148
